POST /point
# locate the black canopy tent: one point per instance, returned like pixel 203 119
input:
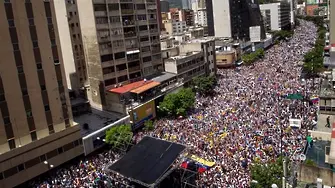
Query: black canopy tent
pixel 148 162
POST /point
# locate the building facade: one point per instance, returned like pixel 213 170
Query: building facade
pixel 187 15
pixel 200 13
pixel 276 16
pixel 36 126
pixel 76 71
pixel 165 6
pixel 232 19
pixel 121 43
pixel 175 27
pixel 186 4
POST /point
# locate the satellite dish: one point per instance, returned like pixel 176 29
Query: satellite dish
pixel 302 157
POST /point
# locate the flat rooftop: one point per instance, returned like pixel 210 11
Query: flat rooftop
pixel 181 56
pixel 200 40
pixel 163 77
pixel 95 120
pixel 327 89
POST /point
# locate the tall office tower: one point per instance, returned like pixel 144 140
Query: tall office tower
pixel 76 71
pixel 36 127
pixel 232 19
pixel 186 4
pixel 121 43
pixel 332 23
pixel 165 6
pixel 200 12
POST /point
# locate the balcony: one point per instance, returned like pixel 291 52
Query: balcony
pixel 131 47
pixel 151 7
pixel 120 61
pixel 144 33
pixel 114 12
pixel 127 11
pixel 141 11
pixel 100 13
pixel 121 72
pixel 139 1
pixel 151 11
pixel 102 26
pixel 107 64
pixel 142 22
pixel 116 24
pixel 153 30
pixel 128 23
pixel 145 43
pixel 109 76
pixel 117 37
pixel 133 58
pixel 130 34
pixel 144 54
pixel 156 41
pixel 126 1
pixel 134 69
pixel 156 50
pixel 153 21
pixel 106 51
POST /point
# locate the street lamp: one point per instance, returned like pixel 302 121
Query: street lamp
pixel 46 162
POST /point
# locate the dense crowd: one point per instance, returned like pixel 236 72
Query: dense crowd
pixel 250 114
pixel 243 123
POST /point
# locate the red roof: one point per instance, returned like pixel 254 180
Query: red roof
pixel 128 87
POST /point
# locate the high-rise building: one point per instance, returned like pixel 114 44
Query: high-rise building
pixel 232 19
pixel 332 24
pixel 276 16
pixel 186 4
pixel 36 127
pixel 200 12
pixel 121 43
pixel 165 6
pixel 77 71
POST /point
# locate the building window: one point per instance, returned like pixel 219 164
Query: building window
pixel 51 129
pixel 53 42
pixel 46 107
pixel 11 144
pixel 35 44
pixel 16 47
pixel 29 113
pixel 43 158
pixel 24 91
pixel 20 69
pixel 39 66
pixel 20 167
pixel 31 22
pixel 8 173
pixel 49 21
pixel 33 136
pixel 60 150
pixel 11 23
pixel 43 88
pixel 56 62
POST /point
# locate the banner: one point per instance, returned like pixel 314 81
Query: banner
pixel 295 123
pixel 202 161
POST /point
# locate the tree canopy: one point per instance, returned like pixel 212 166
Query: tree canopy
pixel 267 174
pixel 250 58
pixel 204 84
pixel 313 60
pixel 119 136
pixel 177 104
pixel 149 125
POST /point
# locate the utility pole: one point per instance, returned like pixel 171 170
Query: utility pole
pixel 285 172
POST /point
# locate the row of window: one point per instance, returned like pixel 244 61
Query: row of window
pixel 10 172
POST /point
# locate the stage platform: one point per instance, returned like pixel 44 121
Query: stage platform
pixel 148 161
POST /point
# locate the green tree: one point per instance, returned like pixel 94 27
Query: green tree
pixel 267 174
pixel 119 136
pixel 177 104
pixel 149 125
pixel 250 58
pixel 203 84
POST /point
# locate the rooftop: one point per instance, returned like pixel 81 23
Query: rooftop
pixel 181 56
pixel 128 87
pixel 200 40
pixel 327 89
pixel 95 120
pixel 145 87
pixel 165 76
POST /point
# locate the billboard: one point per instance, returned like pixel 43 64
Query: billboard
pixel 255 33
pixel 142 113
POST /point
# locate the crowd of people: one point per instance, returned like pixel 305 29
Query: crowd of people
pixel 246 121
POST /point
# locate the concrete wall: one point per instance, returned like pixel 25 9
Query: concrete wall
pixel 320 135
pixel 221 16
pixel 91 49
pixel 309 174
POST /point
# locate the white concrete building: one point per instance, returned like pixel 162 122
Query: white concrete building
pixel 276 16
pixel 221 18
pixel 200 12
pixel 174 27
